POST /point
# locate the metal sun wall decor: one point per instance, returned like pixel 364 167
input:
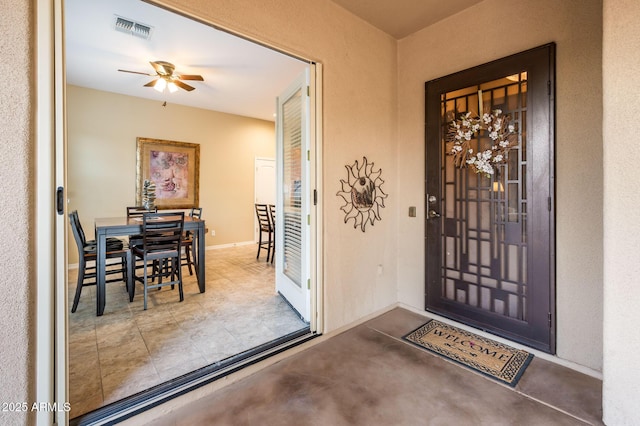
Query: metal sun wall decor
pixel 362 194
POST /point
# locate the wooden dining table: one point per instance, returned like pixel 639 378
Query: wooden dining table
pixel 124 226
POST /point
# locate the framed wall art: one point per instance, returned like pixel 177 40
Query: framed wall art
pixel 174 168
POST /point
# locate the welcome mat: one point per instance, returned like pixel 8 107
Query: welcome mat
pixel 486 356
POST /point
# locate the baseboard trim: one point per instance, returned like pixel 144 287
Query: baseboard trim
pixel 229 245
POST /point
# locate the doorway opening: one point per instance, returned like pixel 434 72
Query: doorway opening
pixel 242 316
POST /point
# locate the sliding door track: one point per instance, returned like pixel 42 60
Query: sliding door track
pixel 152 397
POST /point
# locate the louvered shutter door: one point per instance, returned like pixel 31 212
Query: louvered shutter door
pixel 292 152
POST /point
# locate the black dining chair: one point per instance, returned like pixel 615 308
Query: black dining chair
pixel 161 241
pixel 135 240
pixel 264 227
pixel 137 211
pixel 189 239
pixel 87 252
pixel 272 217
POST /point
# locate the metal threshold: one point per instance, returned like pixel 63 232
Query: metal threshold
pixel 152 397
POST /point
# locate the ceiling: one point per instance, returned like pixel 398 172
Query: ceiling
pixel 400 18
pixel 240 77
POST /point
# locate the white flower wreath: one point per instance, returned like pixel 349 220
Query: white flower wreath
pixel 463 130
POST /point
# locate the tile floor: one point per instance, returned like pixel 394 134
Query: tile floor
pixel 369 376
pixel 128 349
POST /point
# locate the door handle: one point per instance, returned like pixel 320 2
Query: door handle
pixel 433 214
pixel 60 200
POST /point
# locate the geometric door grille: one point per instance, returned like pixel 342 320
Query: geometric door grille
pixel 484 219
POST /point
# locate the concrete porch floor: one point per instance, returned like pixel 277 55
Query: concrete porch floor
pixel 369 376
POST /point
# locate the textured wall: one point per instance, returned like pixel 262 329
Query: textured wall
pixel 621 58
pixel 359 120
pixel 17 258
pixel 101 172
pixel 490 30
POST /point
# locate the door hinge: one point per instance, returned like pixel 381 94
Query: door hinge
pixel 308 155
pixel 549 203
pixel 308 91
pixel 549 317
pixel 315 197
pixel 549 87
pixel 308 283
pixel 308 219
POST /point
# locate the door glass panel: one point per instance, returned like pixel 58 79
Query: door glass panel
pixel 487 214
pixel 292 152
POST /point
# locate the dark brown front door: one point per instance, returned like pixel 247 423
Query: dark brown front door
pixel 490 238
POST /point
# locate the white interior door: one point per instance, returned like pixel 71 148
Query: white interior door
pixel 265 186
pixel 293 196
pixel 265 183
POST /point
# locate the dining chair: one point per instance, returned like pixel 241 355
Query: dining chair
pixel 138 211
pixel 136 239
pixel 161 240
pixel 272 217
pixel 87 252
pixel 264 224
pixel 189 239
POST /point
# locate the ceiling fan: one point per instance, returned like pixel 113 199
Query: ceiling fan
pixel 166 77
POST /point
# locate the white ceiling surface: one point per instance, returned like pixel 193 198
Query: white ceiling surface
pixel 400 18
pixel 240 77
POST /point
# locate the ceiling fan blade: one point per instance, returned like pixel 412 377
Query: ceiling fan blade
pixel 152 83
pixel 183 85
pixel 162 68
pixel 190 77
pixel 136 72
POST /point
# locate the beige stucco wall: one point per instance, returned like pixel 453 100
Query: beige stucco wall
pixel 102 130
pixel 621 58
pixel 16 205
pixel 490 30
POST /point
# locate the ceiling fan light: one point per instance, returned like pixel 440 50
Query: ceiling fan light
pixel 160 85
pixel 172 87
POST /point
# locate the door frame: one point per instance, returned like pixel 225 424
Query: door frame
pixel 544 105
pixel 51 238
pixel 51 330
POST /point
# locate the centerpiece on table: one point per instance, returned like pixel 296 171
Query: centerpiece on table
pixel 148 194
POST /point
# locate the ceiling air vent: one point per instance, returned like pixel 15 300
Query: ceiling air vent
pixel 131 27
